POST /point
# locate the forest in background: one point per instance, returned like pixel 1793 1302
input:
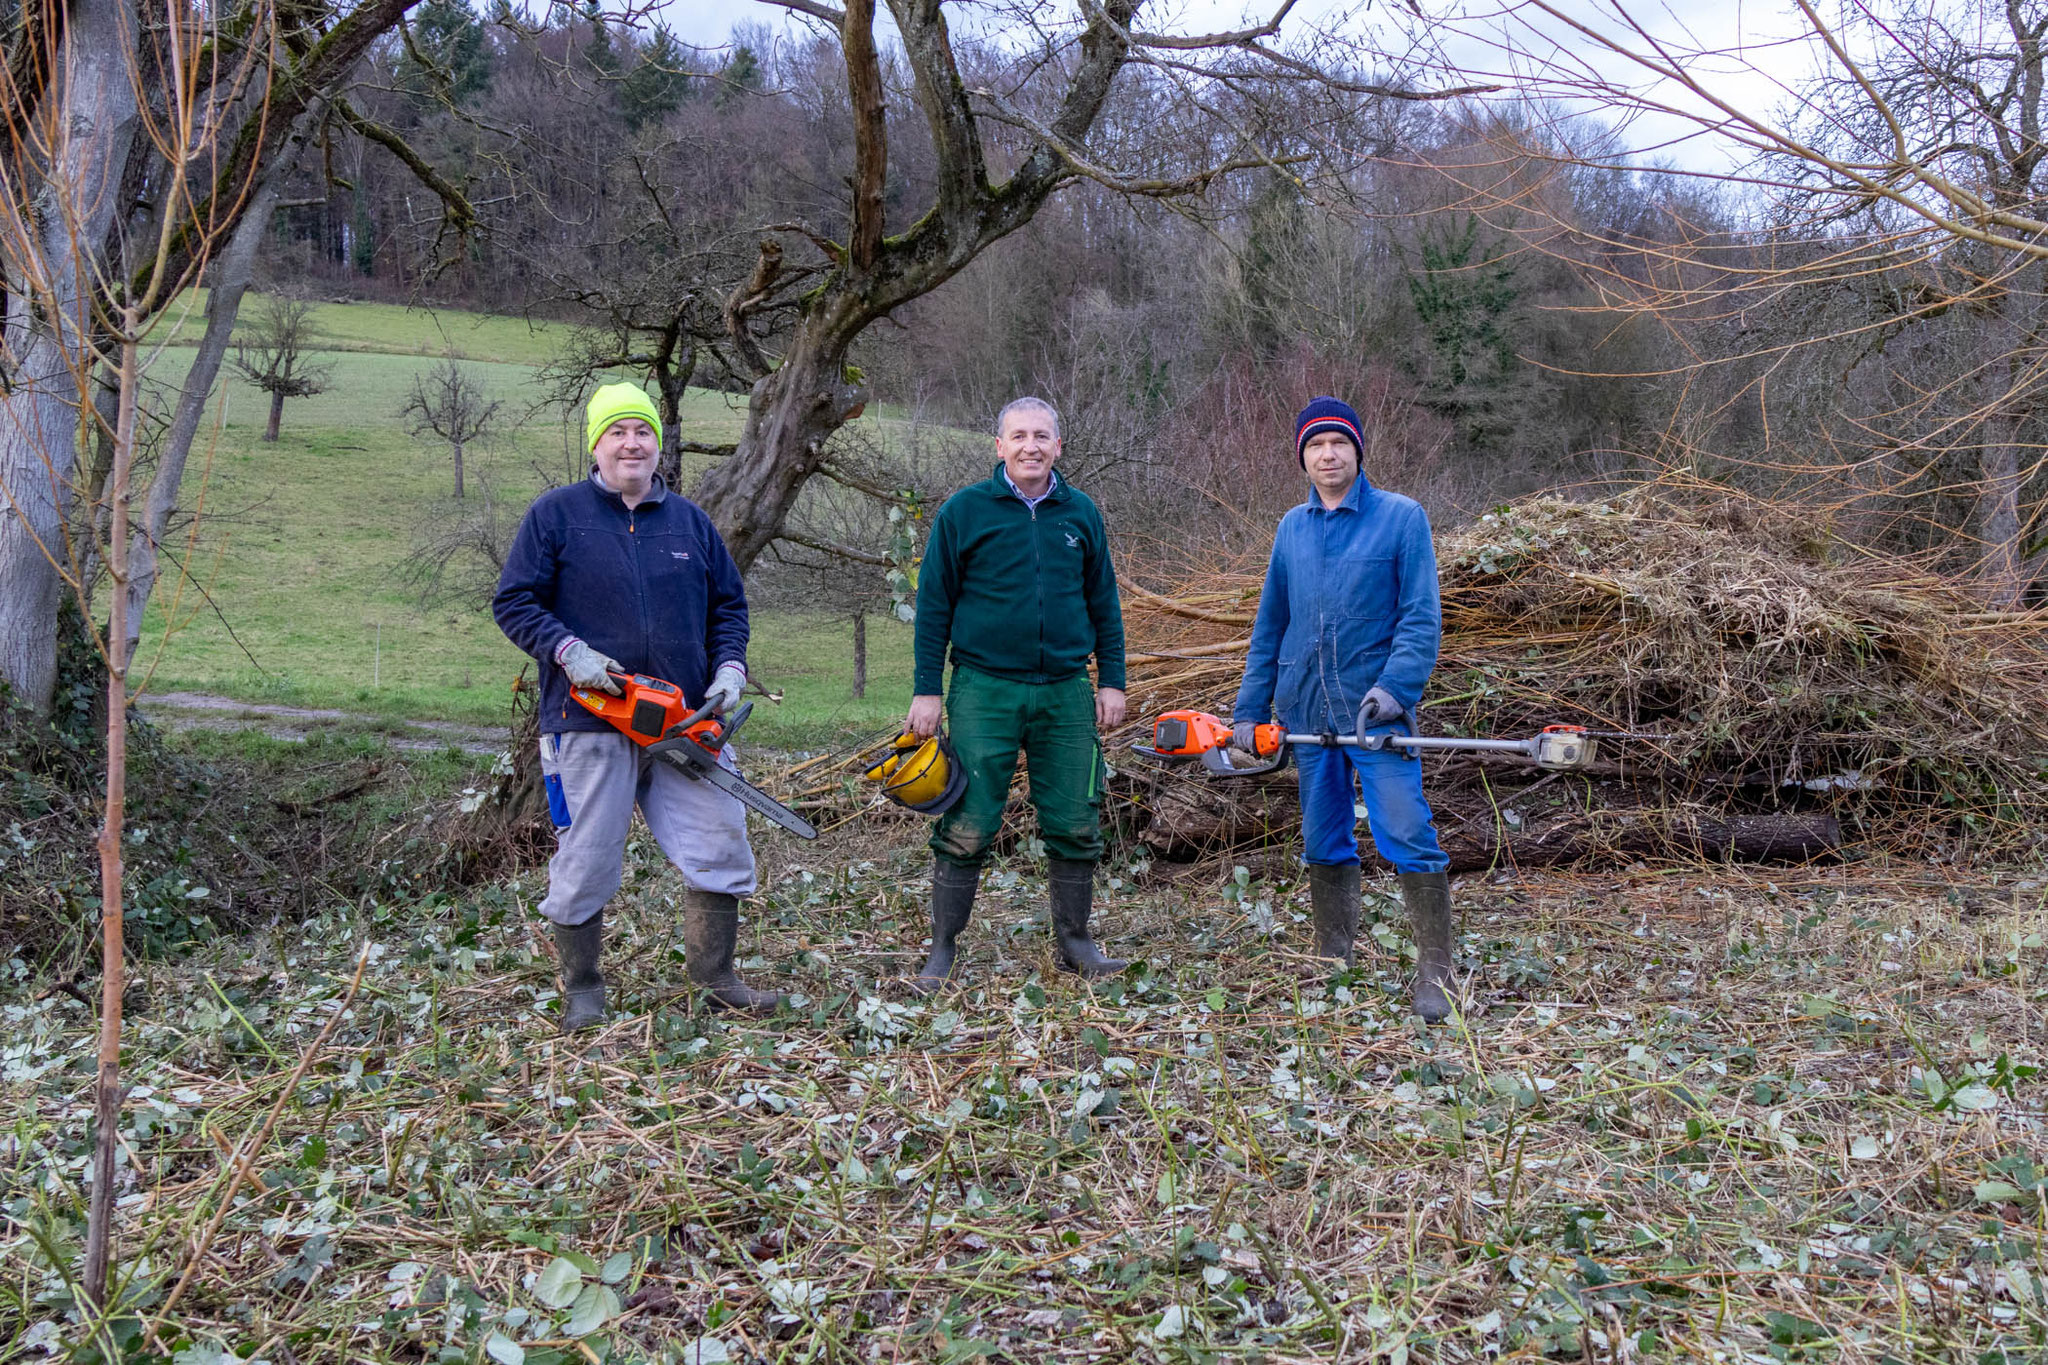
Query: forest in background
pixel 1510 304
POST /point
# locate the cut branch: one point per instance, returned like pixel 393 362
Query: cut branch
pixel 827 547
pixel 814 10
pixel 870 132
pixel 748 299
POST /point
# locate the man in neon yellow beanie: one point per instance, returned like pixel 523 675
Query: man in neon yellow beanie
pixel 617 574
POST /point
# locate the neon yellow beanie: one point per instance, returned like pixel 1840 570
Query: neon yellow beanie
pixel 613 401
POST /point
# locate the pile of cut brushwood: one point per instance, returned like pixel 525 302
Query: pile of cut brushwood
pixel 1802 698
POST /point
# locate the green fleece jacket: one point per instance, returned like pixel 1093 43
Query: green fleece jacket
pixel 1018 592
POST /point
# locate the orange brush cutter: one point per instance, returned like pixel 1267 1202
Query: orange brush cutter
pixel 1186 736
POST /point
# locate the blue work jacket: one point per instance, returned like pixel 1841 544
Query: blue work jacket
pixel 1350 604
pixel 652 586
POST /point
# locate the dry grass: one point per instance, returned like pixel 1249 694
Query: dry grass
pixel 1687 1114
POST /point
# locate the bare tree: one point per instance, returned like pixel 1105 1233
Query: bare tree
pixel 272 355
pixel 448 402
pixel 851 548
pixel 457 554
pixel 1079 97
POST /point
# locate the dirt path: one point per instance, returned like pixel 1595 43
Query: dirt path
pixel 296 724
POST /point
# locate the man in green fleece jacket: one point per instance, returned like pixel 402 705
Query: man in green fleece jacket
pixel 1017 581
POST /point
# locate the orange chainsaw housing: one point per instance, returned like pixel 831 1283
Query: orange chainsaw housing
pixel 1190 734
pixel 646 710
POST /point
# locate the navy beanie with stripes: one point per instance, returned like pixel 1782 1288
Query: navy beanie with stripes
pixel 1328 414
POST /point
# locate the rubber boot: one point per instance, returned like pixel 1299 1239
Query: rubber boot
pixel 1333 895
pixel 1073 899
pixel 952 902
pixel 1428 896
pixel 711 929
pixel 582 988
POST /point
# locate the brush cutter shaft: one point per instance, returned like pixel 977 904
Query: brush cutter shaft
pixel 1560 748
pixel 1181 735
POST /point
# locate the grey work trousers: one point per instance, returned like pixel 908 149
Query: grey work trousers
pixel 594 780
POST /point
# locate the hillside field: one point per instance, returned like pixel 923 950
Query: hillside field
pixel 297 594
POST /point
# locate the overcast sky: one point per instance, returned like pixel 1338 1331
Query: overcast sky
pixel 1479 40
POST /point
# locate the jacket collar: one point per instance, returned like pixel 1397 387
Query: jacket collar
pixel 1000 481
pixel 658 492
pixel 1354 501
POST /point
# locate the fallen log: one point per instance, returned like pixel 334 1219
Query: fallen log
pixel 1191 819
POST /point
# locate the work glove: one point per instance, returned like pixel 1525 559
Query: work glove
pixel 724 692
pixel 589 669
pixel 1244 735
pixel 1378 708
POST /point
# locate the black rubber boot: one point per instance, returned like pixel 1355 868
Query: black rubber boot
pixel 711 930
pixel 582 988
pixel 952 902
pixel 1333 896
pixel 1073 900
pixel 1428 896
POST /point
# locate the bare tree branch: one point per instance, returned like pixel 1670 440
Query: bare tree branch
pixel 826 547
pixel 870 133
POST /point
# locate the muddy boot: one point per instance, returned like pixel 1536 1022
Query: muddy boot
pixel 1333 896
pixel 582 988
pixel 711 928
pixel 952 902
pixel 1428 896
pixel 1073 898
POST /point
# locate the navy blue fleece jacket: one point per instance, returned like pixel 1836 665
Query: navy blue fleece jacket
pixel 652 586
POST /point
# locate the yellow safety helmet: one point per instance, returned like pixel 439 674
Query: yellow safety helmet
pixel 923 775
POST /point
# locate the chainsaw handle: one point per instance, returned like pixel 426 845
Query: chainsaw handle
pixel 730 728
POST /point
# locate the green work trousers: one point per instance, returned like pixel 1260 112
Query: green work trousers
pixel 991 719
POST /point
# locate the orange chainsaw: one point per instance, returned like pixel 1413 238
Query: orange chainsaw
pixel 653 714
pixel 1184 736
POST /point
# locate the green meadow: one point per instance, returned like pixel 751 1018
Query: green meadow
pixel 294 588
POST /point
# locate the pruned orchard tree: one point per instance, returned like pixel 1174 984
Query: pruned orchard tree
pixel 448 402
pixel 1035 103
pixel 144 145
pixel 275 355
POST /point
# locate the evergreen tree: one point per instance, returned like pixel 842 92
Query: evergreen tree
pixel 456 51
pixel 740 75
pixel 659 84
pixel 602 54
pixel 1465 298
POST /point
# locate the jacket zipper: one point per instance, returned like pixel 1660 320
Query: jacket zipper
pixel 639 584
pixel 1038 579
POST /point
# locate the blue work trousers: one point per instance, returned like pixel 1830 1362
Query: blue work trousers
pixel 1403 829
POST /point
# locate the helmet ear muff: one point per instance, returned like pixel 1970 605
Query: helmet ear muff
pixel 921 775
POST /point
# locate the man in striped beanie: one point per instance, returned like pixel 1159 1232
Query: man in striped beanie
pixel 1346 636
